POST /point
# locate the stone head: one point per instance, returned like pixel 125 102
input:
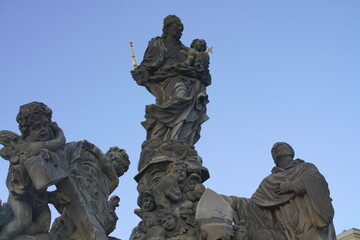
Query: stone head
pixel 187 209
pixel 167 219
pixel 172 25
pixel 177 171
pixel 199 45
pixel 191 182
pixel 119 160
pixel 281 150
pixel 146 201
pixel 35 122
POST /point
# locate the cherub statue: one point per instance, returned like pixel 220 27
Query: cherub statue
pixel 84 178
pixel 40 139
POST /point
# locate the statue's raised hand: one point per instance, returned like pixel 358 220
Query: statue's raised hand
pixel 140 76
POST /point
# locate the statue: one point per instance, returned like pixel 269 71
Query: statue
pixel 83 175
pixel 170 170
pixel 171 175
pixel 293 202
pixel 39 141
pixel 177 76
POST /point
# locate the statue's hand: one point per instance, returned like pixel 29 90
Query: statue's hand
pixel 140 76
pixel 283 188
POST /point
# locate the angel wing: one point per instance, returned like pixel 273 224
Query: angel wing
pixel 7 138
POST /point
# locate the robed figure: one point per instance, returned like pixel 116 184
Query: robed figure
pixel 177 76
pixel 292 203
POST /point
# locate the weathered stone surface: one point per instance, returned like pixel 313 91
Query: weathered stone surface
pixel 293 202
pixel 351 234
pixel 83 175
pixel 215 216
pixel 170 170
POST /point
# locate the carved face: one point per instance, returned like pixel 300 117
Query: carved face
pixel 174 30
pixel 148 204
pixel 168 222
pixel 187 209
pixel 177 172
pixel 190 185
pixel 119 161
pixel 281 150
pixel 40 130
pixel 200 45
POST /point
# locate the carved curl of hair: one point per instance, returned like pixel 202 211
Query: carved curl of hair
pixel 170 20
pixel 29 113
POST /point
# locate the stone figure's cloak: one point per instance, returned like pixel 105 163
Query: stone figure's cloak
pixel 180 94
pixel 311 200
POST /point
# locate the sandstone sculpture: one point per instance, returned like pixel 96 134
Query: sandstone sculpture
pixel 170 170
pixel 293 202
pixel 83 175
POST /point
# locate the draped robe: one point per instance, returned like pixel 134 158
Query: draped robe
pixel 303 214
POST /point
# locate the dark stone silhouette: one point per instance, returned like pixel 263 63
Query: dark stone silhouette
pixel 177 76
pixel 83 175
pixel 293 202
pixel 170 170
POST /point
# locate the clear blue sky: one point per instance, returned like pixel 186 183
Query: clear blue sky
pixel 282 71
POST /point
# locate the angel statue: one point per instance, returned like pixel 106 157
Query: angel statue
pixel 84 178
pixel 27 212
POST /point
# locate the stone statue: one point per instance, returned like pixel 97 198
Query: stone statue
pixel 293 202
pixel 177 76
pixel 39 141
pixel 83 175
pixel 171 175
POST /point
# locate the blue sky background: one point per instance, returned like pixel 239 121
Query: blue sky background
pixel 282 71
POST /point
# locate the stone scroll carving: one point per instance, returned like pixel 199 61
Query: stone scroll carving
pixel 84 178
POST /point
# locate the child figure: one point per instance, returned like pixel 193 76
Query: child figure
pixel 197 53
pixel 199 58
pixel 40 137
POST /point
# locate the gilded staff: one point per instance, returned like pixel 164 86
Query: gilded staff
pixel 133 55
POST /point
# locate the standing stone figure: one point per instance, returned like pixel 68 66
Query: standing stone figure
pixel 292 203
pixel 83 175
pixel 170 170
